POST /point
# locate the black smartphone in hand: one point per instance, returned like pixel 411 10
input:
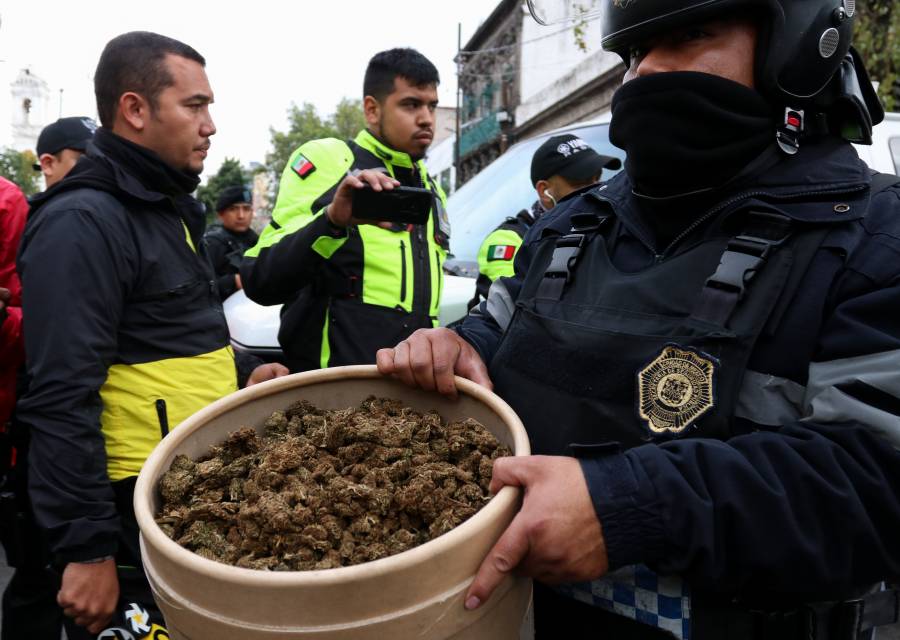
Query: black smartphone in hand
pixel 409 205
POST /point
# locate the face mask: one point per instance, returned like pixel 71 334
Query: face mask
pixel 686 132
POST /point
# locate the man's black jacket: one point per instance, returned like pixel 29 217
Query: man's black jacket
pixel 805 506
pixel 125 337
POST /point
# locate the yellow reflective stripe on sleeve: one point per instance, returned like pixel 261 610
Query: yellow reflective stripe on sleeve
pixel 494 269
pixel 130 420
pixel 325 354
pixel 296 196
pixel 325 246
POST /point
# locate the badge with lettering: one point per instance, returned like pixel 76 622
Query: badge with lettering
pixel 676 389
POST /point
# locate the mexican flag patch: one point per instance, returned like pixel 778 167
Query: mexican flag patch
pixel 303 167
pixel 500 252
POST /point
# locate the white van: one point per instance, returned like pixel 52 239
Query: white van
pixel 499 191
pixel 884 153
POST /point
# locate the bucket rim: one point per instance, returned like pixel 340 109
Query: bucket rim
pixel 505 501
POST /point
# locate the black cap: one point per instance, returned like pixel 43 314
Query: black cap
pixel 232 195
pixel 570 157
pixel 66 133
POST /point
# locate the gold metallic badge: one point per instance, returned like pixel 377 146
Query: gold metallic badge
pixel 675 390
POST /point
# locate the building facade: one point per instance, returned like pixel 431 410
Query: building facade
pixel 29 110
pixel 520 79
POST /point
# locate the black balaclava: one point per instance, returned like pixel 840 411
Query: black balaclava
pixel 686 132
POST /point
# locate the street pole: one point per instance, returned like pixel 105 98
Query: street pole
pixel 458 103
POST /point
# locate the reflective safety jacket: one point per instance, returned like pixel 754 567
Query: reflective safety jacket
pixel 751 462
pixel 497 252
pixel 124 336
pixel 495 256
pixel 347 292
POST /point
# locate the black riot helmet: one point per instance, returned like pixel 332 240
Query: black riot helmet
pixel 804 61
pixel 801 42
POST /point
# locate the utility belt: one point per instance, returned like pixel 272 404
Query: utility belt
pixel 847 620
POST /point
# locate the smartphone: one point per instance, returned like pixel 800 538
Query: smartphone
pixel 409 205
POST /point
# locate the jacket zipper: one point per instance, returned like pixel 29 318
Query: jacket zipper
pixel 163 415
pixel 440 279
pixel 402 271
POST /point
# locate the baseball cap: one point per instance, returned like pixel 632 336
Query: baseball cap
pixel 570 157
pixel 232 195
pixel 66 133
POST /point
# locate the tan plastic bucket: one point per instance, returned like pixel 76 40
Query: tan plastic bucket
pixel 415 594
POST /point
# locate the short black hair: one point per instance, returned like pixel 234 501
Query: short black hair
pixel 403 62
pixel 135 61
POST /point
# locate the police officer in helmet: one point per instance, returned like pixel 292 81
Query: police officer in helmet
pixel 702 349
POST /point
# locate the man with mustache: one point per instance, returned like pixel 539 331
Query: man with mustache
pixel 124 332
pixel 351 288
pixel 705 349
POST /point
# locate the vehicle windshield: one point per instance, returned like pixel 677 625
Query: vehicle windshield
pixel 504 188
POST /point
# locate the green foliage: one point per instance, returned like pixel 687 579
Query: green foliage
pixel 305 124
pixel 229 174
pixel 18 167
pixel 875 36
pixel 580 27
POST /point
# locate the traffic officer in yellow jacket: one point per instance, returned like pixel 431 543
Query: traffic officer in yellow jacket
pixel 561 166
pixel 351 288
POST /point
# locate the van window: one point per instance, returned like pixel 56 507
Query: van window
pixel 504 187
pixel 895 153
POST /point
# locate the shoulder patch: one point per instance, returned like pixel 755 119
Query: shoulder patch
pixel 303 167
pixel 501 252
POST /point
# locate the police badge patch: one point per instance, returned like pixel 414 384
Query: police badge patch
pixel 676 389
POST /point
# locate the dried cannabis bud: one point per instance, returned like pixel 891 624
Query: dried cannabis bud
pixel 323 489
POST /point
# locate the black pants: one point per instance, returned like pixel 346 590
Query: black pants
pixel 29 603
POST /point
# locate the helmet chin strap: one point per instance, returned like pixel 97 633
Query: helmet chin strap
pixel 788 133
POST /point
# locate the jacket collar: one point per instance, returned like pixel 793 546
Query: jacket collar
pixel 370 143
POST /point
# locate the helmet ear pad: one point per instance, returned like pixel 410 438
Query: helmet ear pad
pixel 799 67
pixel 800 43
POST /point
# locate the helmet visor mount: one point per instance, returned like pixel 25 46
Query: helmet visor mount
pixel 551 12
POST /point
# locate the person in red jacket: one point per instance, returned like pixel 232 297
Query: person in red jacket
pixel 13 209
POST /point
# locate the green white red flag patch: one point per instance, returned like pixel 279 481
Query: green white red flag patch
pixel 303 167
pixel 501 252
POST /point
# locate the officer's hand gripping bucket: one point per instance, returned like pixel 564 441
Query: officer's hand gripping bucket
pixel 415 594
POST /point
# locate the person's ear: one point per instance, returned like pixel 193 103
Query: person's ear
pixel 372 110
pixel 134 110
pixel 47 162
pixel 545 195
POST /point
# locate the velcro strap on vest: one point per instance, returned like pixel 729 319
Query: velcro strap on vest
pixel 745 255
pixel 560 271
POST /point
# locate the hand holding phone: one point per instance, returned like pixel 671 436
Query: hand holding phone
pixel 407 205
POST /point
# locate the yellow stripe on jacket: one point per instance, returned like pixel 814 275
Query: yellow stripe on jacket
pixel 131 415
